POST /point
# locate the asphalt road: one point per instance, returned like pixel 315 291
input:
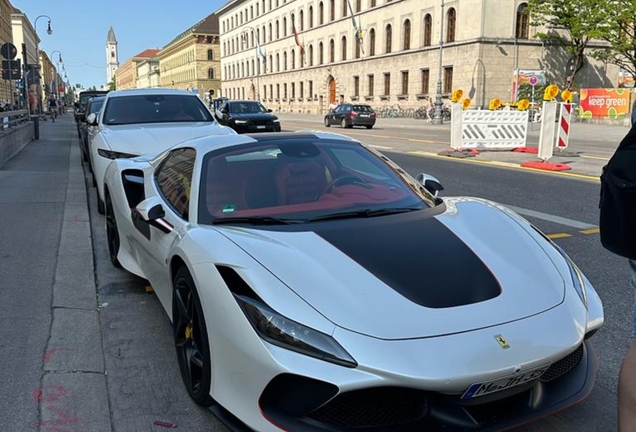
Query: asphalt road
pixel 143 384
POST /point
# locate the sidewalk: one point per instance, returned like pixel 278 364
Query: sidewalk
pixel 52 361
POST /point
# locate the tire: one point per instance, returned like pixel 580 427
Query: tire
pixel 191 338
pixel 343 123
pixel 84 155
pixel 94 180
pixel 369 126
pixel 112 234
pixel 101 209
pixel 327 122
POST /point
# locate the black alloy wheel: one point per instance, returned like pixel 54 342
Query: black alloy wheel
pixel 191 338
pixel 112 234
pixel 100 205
pixel 327 124
pixel 343 123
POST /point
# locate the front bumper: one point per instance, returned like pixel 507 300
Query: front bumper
pixel 254 128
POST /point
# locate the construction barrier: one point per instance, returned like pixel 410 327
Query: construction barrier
pixel 551 132
pixel 563 136
pixel 493 130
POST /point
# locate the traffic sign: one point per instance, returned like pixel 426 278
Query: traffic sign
pixel 9 51
pixel 534 80
pixel 12 66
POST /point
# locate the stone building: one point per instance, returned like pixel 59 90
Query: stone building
pixel 191 61
pixel 148 73
pixel 24 33
pixel 393 58
pixel 126 74
pixel 7 88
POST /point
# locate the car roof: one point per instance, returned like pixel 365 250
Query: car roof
pixel 149 91
pixel 209 143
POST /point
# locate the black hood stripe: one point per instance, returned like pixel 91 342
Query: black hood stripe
pixel 417 256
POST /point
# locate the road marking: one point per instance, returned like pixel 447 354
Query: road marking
pixel 591 231
pixel 552 218
pixel 595 157
pixel 426 141
pixel 381 147
pixel 506 165
pixel 558 235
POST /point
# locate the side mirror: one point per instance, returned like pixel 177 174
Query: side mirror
pixel 430 183
pixel 91 119
pixel 151 212
pixel 269 110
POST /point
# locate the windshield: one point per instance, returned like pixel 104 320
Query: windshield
pixel 246 107
pixel 84 97
pixel 96 105
pixel 124 110
pixel 303 179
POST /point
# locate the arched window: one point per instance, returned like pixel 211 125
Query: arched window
pixel 321 13
pixel 372 42
pixel 252 39
pixel 310 16
pixel 285 60
pixel 358 5
pixel 344 48
pixel 388 34
pixel 277 62
pixel 407 35
pixel 233 71
pixel 270 32
pixel 210 54
pixel 293 59
pixel 232 46
pixel 371 3
pixel 428 29
pixel 311 55
pixel 345 7
pixel 332 10
pixel 332 51
pixel 301 19
pixel 242 69
pixel 271 63
pixel 277 30
pixel 320 53
pixel 284 27
pixel 451 18
pixel 357 47
pixel 523 21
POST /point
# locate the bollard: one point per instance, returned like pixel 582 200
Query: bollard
pixel 36 126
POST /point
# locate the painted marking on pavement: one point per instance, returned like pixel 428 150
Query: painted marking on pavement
pixel 558 235
pixel 552 218
pixel 591 231
pixel 505 165
pixel 426 141
pixel 595 157
pixel 381 147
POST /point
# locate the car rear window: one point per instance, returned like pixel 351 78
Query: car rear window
pixel 362 108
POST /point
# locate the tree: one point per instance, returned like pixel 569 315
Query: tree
pixel 112 85
pixel 571 24
pixel 92 88
pixel 620 33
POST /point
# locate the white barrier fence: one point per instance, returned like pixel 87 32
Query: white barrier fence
pixel 488 130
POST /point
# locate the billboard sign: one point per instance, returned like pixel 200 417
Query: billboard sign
pixel 604 103
pixel 525 79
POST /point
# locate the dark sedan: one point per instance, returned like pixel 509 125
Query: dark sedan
pixel 350 115
pixel 93 106
pixel 247 116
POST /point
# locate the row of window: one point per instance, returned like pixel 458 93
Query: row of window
pixel 268 91
pixel 240 18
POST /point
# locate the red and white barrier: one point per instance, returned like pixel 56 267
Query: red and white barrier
pixel 552 133
pixel 564 126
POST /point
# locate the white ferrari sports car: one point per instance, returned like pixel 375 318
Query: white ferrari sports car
pixel 313 286
pixel 145 121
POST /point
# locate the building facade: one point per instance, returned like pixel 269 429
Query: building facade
pixel 126 74
pixel 24 33
pixel 7 88
pixel 393 58
pixel 192 60
pixel 112 56
pixel 148 73
pixel 48 74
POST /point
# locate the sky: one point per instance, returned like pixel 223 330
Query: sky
pixel 80 29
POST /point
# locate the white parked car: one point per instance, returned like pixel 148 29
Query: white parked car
pixel 314 286
pixel 146 121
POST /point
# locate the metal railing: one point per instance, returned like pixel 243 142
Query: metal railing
pixel 11 119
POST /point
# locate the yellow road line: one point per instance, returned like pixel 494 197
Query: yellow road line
pixel 559 235
pixel 426 141
pixel 506 165
pixel 595 157
pixel 591 231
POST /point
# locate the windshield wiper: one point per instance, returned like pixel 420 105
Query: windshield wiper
pixel 364 213
pixel 253 220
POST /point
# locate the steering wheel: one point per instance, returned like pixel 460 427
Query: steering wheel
pixel 343 180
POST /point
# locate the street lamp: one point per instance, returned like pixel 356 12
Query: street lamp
pixel 49 30
pixel 57 71
pixel 245 41
pixel 437 113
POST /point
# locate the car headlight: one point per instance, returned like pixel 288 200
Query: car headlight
pixel 575 272
pixel 114 155
pixel 276 121
pixel 285 333
pixel 240 121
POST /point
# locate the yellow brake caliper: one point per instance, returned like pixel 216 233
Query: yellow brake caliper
pixel 188 332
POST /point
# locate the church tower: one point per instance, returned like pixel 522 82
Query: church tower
pixel 112 57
